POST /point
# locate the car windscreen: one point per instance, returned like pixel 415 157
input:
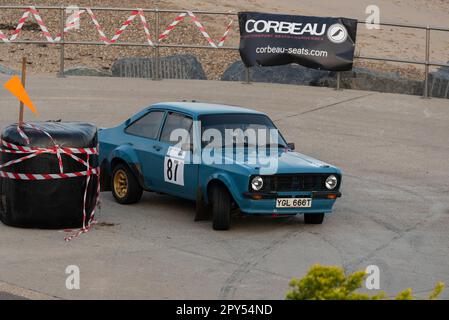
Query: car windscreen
pixel 233 125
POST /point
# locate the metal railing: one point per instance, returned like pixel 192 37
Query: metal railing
pixel 427 63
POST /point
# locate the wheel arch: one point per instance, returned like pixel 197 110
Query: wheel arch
pixel 218 181
pixel 125 154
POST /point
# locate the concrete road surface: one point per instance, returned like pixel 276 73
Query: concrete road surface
pixel 394 213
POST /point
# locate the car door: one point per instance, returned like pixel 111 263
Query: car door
pixel 175 170
pixel 145 133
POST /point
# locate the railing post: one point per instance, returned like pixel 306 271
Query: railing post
pixel 426 81
pixel 62 45
pixel 156 69
pixel 338 87
pixel 247 75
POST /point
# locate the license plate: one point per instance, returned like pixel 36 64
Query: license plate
pixel 293 203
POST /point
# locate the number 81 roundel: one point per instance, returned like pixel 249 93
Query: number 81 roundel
pixel 174 170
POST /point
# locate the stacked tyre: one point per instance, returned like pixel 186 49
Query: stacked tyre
pixel 52 203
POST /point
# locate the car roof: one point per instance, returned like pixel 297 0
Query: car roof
pixel 203 108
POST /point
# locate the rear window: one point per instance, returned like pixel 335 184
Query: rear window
pixel 147 126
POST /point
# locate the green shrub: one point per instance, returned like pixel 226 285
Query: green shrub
pixel 331 283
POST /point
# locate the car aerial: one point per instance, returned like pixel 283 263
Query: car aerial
pixel 174 148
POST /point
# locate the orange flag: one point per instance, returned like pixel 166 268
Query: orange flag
pixel 14 85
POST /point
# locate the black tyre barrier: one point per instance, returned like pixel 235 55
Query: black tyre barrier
pixel 49 203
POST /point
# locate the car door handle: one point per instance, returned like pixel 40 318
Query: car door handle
pixel 157 148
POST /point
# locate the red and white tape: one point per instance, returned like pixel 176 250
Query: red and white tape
pixel 225 35
pixel 58 151
pixel 86 227
pixel 52 176
pixel 172 25
pixel 32 11
pixel 19 27
pixel 202 29
pixel 118 33
pixel 41 24
pixel 146 27
pixel 138 12
pixel 199 25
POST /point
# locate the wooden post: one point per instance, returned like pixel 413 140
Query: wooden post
pixel 24 69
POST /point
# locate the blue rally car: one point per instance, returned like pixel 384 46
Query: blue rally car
pixel 225 158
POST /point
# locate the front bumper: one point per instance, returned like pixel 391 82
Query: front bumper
pixel 265 203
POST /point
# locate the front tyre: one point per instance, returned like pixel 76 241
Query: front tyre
pixel 313 218
pixel 221 208
pixel 125 187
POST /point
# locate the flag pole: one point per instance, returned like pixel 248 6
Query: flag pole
pixel 24 69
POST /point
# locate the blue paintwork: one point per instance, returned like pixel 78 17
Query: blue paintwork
pixel 138 152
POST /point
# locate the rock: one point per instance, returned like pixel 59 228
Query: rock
pixel 438 86
pixel 365 79
pixel 10 72
pixel 444 71
pixel 288 74
pixel 358 79
pixel 182 66
pixel 85 71
pixel 439 83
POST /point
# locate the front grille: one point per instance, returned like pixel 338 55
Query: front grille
pixel 296 182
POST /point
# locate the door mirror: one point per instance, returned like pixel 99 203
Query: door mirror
pixel 291 146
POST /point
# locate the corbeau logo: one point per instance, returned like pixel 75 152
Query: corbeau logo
pixel 337 33
pixel 266 26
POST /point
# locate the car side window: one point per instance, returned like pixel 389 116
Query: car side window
pixel 147 126
pixel 173 122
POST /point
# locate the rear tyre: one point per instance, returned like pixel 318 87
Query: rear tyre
pixel 313 218
pixel 221 208
pixel 125 187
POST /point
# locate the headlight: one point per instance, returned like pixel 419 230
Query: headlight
pixel 257 183
pixel 331 182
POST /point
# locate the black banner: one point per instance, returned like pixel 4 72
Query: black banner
pixel 313 42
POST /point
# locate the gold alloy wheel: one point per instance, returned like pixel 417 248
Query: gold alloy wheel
pixel 120 183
